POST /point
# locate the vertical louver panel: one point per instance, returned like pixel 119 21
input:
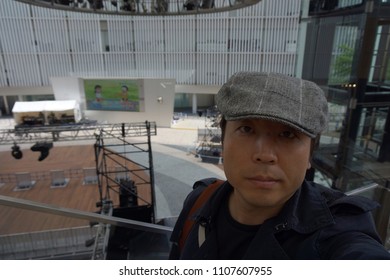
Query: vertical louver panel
pixel 3 78
pixel 38 43
pixel 121 35
pixel 17 35
pixel 10 8
pixel 84 36
pixel 88 65
pixel 54 65
pixel 212 46
pixel 22 69
pixel 149 46
pixel 51 35
pixel 181 67
pixel 120 65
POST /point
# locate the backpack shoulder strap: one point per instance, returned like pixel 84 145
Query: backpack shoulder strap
pixel 199 202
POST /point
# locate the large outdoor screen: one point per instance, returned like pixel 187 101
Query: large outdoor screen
pixel 114 95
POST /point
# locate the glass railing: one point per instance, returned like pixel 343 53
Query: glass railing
pixel 42 231
pixel 61 243
pixel 380 194
pixel 78 235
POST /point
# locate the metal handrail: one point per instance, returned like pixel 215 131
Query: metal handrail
pixel 362 189
pixel 78 214
pixel 382 214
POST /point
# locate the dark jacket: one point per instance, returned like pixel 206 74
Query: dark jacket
pixel 316 223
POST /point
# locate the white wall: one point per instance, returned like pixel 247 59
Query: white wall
pixel 198 89
pixel 20 91
pixel 68 88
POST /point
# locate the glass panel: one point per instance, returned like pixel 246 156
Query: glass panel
pixel 342 54
pixel 3 108
pixel 380 63
pixel 371 130
pixel 29 234
pixel 11 102
pixel 381 215
pixel 320 6
pixel 38 97
pixel 387 76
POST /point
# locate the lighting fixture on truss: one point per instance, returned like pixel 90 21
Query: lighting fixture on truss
pixel 16 152
pixel 42 147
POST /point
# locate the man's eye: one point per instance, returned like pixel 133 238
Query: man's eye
pixel 245 129
pixel 288 134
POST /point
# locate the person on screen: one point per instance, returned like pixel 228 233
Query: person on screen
pixel 98 93
pixel 127 105
pixel 124 93
pixel 266 209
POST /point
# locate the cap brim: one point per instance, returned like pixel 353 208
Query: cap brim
pixel 272 118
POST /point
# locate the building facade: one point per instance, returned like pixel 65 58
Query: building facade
pixel 198 51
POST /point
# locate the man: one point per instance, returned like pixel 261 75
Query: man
pixel 266 209
pixel 98 93
pixel 124 93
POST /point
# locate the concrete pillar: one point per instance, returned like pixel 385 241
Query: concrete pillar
pixel 194 103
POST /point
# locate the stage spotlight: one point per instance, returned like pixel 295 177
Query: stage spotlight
pixel 16 152
pixel 42 147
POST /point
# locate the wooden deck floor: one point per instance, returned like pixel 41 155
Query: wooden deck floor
pixel 75 195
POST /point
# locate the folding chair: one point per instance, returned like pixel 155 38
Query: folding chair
pixel 23 181
pixel 90 176
pixel 58 179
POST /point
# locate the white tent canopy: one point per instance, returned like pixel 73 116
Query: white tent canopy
pixel 23 109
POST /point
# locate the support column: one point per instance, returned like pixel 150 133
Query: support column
pixel 194 103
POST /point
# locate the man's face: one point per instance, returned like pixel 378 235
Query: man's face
pixel 265 162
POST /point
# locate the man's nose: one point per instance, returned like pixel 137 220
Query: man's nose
pixel 264 150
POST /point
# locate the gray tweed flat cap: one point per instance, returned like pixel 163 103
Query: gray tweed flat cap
pixel 295 102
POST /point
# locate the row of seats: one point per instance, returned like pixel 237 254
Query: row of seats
pixel 24 180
